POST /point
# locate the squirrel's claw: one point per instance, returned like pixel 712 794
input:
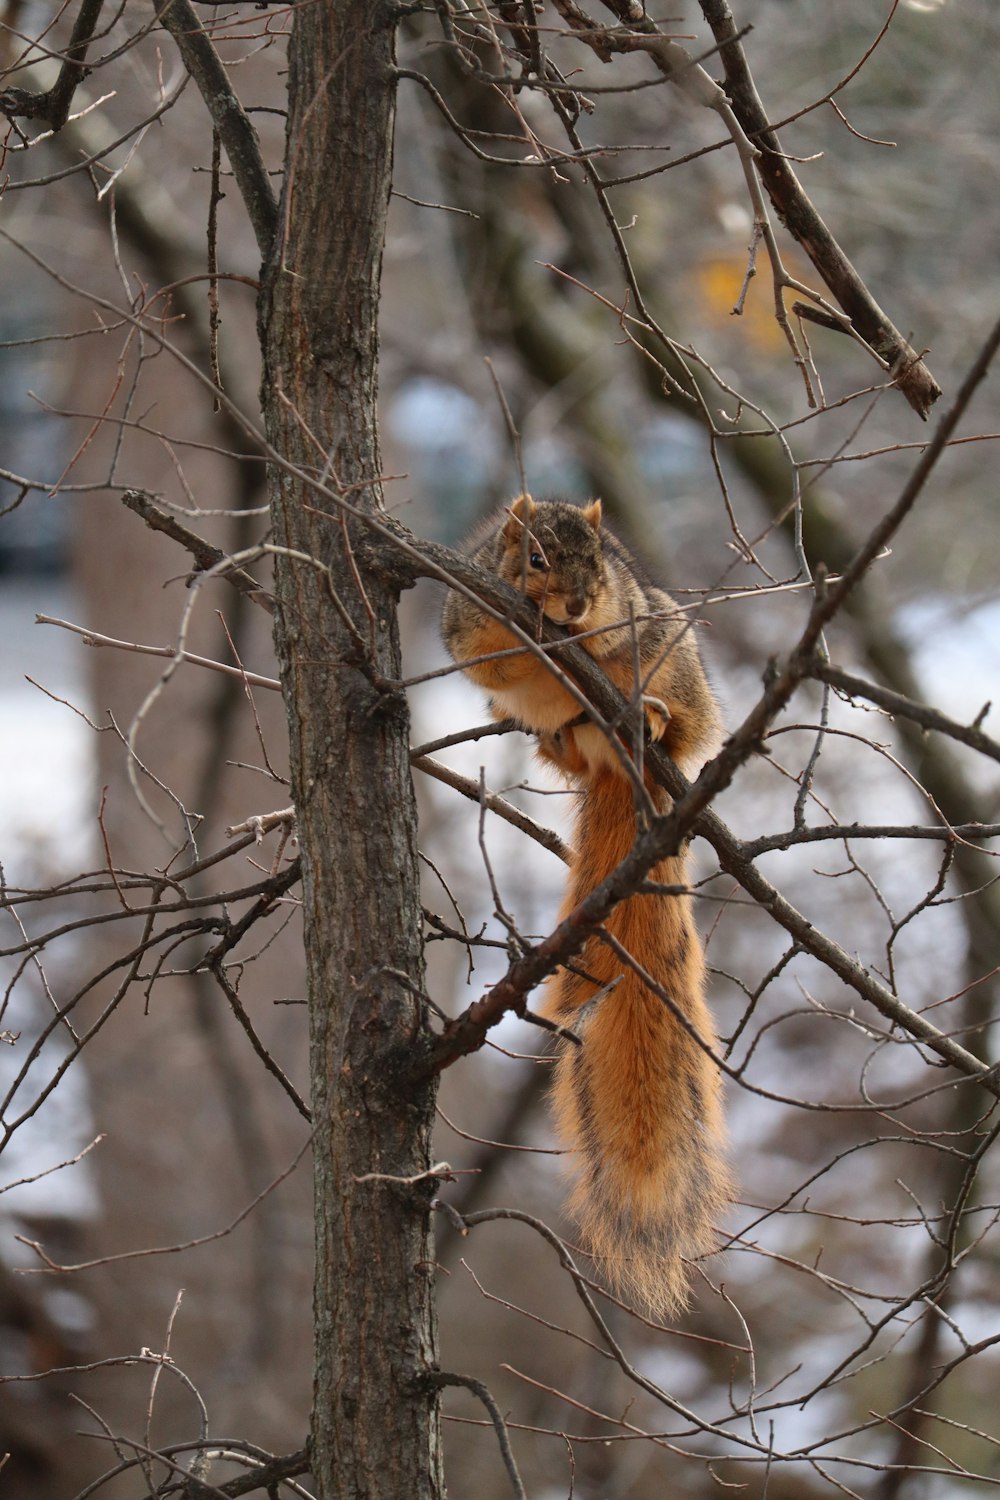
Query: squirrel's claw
pixel 657 716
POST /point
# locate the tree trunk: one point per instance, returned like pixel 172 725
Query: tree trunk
pixel 375 1417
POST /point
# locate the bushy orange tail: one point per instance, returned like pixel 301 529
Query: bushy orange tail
pixel 639 1101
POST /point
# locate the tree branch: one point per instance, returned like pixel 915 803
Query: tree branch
pixel 53 104
pixel 443 1378
pixel 230 118
pixel 896 703
pixel 205 555
pixel 494 802
pixel 800 217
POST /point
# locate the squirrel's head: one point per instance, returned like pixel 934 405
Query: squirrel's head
pixel 553 552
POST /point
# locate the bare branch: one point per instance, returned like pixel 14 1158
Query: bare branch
pixel 54 104
pixel 799 215
pixel 230 118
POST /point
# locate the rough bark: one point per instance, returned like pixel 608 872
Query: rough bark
pixel 375 1412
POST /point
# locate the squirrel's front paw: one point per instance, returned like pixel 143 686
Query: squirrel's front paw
pixel 657 717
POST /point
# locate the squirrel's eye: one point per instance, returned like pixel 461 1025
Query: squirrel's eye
pixel 537 560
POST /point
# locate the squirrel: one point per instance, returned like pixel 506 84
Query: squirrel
pixel 638 1102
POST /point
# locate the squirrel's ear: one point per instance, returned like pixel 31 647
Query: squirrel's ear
pixel 592 514
pixel 521 511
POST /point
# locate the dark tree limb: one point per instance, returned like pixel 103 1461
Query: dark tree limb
pixel 443 1378
pixel 266 1476
pixel 748 124
pixel 801 219
pixel 204 553
pixel 787 194
pixel 494 802
pixel 53 105
pixel 230 118
pixel 896 703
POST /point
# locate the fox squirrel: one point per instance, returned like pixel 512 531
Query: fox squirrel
pixel 639 1101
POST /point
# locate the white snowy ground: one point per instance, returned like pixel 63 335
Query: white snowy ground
pixel 47 794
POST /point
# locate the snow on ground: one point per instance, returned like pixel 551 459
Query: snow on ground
pixel 46 829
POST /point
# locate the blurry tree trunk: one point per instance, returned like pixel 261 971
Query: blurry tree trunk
pixel 375 1414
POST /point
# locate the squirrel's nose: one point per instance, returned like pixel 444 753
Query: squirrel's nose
pixel 576 606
